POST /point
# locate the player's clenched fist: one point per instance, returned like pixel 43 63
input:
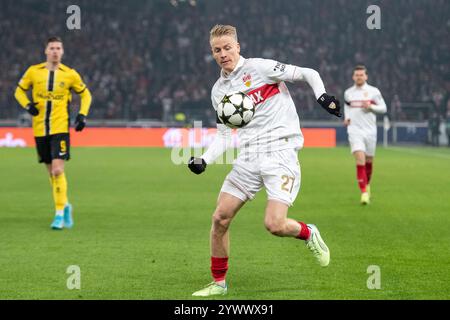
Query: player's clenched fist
pixel 197 165
pixel 331 104
pixel 31 108
pixel 80 122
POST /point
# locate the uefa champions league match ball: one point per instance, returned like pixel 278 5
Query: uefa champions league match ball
pixel 236 110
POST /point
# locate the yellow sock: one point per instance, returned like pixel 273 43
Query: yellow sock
pixel 60 191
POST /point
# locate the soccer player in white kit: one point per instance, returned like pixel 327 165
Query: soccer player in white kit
pixel 362 103
pixel 268 155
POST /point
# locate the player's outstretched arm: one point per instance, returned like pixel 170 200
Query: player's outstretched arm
pixel 330 104
pixel 312 77
pixel 276 71
pixel 220 144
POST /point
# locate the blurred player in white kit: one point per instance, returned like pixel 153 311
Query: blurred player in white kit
pixel 362 103
pixel 269 146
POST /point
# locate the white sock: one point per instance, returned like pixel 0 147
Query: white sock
pixel 59 213
pixel 221 283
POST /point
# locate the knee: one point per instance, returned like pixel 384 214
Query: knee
pixel 221 219
pixel 360 158
pixel 57 171
pixel 275 227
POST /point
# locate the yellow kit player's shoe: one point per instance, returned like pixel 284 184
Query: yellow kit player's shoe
pixel 317 246
pixel 68 219
pixel 212 289
pixel 365 198
pixel 58 223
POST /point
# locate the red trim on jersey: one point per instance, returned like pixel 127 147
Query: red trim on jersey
pixel 361 101
pixel 261 94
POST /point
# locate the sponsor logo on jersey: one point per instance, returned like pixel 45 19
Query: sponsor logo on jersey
pixel 279 66
pixel 247 78
pixel 264 92
pixel 51 96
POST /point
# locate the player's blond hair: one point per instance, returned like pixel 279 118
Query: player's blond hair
pixel 220 30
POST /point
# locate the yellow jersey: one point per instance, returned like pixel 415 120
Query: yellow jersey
pixel 51 90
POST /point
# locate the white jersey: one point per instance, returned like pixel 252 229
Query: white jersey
pixel 363 122
pixel 275 125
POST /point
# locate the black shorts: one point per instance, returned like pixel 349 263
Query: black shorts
pixel 55 146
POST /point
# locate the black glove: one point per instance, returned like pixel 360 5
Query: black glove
pixel 80 122
pixel 331 104
pixel 197 165
pixel 32 109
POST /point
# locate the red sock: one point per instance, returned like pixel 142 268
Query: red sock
pixel 362 177
pixel 219 268
pixel 368 171
pixel 304 232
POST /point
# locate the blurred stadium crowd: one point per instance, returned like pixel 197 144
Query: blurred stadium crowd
pixel 151 59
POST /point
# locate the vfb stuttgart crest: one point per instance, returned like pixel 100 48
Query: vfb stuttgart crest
pixel 247 78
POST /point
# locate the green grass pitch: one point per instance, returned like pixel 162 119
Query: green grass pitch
pixel 142 228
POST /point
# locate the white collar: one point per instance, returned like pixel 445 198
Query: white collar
pixel 363 87
pixel 238 66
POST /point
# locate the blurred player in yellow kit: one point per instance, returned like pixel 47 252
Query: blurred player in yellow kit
pixel 51 83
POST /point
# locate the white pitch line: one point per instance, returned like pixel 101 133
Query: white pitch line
pixel 421 153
